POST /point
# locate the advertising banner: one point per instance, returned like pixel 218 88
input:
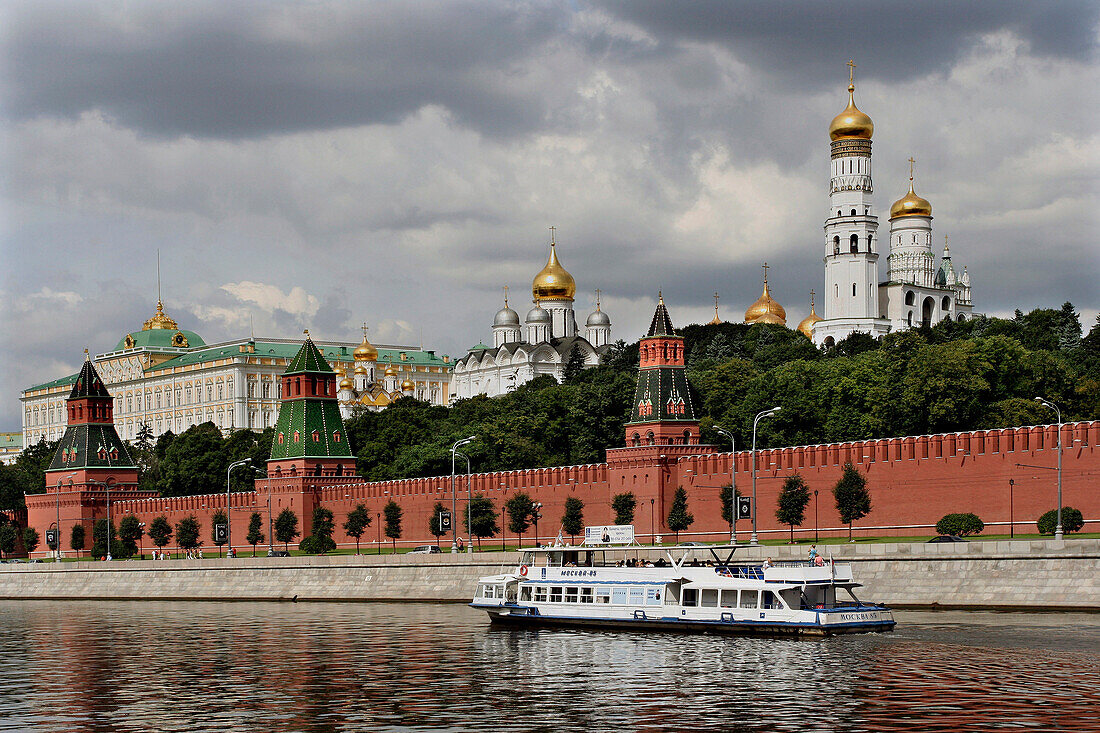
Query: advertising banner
pixel 612 534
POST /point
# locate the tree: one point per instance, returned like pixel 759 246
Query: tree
pixel 792 501
pixel 286 526
pixel 194 462
pixel 104 541
pixel 218 518
pixel 679 518
pixel 572 520
pixel 320 541
pixel 357 522
pixel 853 501
pixel 76 539
pixel 574 365
pixel 129 536
pixel 255 531
pixel 33 462
pixel 482 520
pixel 1072 520
pixel 392 513
pixel 520 511
pixel 624 505
pixel 960 524
pixel 14 483
pixel 8 538
pixel 187 532
pixel 160 531
pixel 30 539
pixel 434 525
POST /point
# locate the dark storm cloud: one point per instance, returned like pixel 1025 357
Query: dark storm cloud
pixel 799 42
pixel 248 69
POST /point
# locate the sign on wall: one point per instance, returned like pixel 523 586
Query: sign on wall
pixel 744 507
pixel 612 534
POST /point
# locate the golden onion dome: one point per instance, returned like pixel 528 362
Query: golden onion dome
pixel 391 371
pixel 553 281
pixel 365 351
pixel 346 383
pixel 806 325
pixel 851 123
pixel 910 205
pixel 766 310
pixel 408 385
pixel 360 369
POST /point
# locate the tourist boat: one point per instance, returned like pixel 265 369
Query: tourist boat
pixel 690 589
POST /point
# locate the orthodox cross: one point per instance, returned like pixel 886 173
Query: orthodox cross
pixel 912 160
pixel 505 296
pixel 364 329
pixel 765 273
pixel 851 71
pixel 552 234
pixel 716 305
pixel 811 300
pixel 597 298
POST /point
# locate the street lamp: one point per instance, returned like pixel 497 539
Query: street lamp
pixel 815 516
pixel 57 548
pixel 759 416
pixel 378 523
pixel 733 483
pixel 469 511
pixel 1011 484
pixel 538 515
pixel 454 505
pixel 228 509
pixel 1052 406
pixel 652 521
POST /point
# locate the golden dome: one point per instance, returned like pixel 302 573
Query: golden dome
pixel 160 320
pixel 346 383
pixel 806 326
pixel 360 369
pixel 365 351
pixel 391 371
pixel 408 385
pixel 765 305
pixel 553 282
pixel 910 205
pixel 851 123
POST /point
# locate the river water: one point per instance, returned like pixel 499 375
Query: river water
pixel 103 666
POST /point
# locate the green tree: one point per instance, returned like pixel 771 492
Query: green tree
pixel 218 518
pixel 960 524
pixel 33 462
pixel 679 518
pixel 853 501
pixel 195 462
pixel 129 535
pixel 356 524
pixel 1072 521
pixel 255 531
pixel 572 520
pixel 392 513
pixel 434 527
pixel 14 482
pixel 160 531
pixel 623 505
pixel 520 511
pixel 188 530
pixel 791 503
pixel 574 365
pixel 76 539
pixel 286 526
pixel 104 541
pixel 320 541
pixel 9 537
pixel 482 519
pixel 30 539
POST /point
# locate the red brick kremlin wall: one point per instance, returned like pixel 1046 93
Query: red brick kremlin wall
pixel 913 482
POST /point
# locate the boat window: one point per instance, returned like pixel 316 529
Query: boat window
pixel 571 594
pixel 637 595
pixel 527 558
pixel 618 596
pixel 791 597
pixel 729 599
pixel 525 593
pixel 555 594
pixel 586 595
pixel 540 594
pixel 653 596
pixel 691 597
pixel 481 591
pixel 488 591
pixel 769 600
pixel 749 598
pixel 709 598
pixel 672 594
pixel 603 594
pixel 553 559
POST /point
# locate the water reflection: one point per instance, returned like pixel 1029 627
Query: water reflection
pixel 387 667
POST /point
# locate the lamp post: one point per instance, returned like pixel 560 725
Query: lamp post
pixel 733 483
pixel 378 523
pixel 454 505
pixel 1011 527
pixel 652 521
pixel 538 515
pixel 228 508
pixel 759 416
pixel 1052 406
pixel 815 516
pixel 141 536
pixel 469 511
pixel 57 549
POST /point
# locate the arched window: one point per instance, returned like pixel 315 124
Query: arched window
pixel 830 342
pixel 635 439
pixel 853 243
pixel 853 290
pixel 853 212
pixel 946 303
pixel 910 298
pixel 687 437
pixel 836 245
pixel 910 319
pixel 960 318
pixel 649 438
pixel 870 247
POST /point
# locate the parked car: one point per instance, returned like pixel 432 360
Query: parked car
pixel 425 550
pixel 947 538
pixel 278 553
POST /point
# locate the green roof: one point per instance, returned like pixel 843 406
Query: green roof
pixel 88 383
pixel 160 338
pixel 90 446
pixel 480 347
pixel 310 428
pixel 68 381
pixel 10 441
pixel 273 350
pixel 308 359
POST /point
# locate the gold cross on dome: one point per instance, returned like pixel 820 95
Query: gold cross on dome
pixel 715 303
pixel 765 273
pixel 597 298
pixel 851 71
pixel 812 299
pixel 912 160
pixel 365 329
pixel 505 296
pixel 552 234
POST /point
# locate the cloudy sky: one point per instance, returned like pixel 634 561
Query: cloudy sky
pixel 321 164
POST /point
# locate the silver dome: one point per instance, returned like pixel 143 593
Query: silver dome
pixel 598 318
pixel 538 314
pixel 506 317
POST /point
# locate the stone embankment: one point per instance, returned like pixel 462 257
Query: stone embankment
pixel 1036 575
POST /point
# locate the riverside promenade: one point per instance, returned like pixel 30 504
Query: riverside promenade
pixel 1039 575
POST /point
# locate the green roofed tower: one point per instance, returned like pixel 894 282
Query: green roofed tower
pixel 310 439
pixel 663 411
pixel 90 440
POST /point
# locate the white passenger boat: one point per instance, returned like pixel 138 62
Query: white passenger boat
pixel 690 589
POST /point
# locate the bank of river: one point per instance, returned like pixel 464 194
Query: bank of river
pixel 1020 575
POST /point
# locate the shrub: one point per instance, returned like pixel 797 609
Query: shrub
pixel 316 545
pixel 960 524
pixel 1072 521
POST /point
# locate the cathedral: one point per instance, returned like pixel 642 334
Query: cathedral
pixel 542 344
pixel 916 291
